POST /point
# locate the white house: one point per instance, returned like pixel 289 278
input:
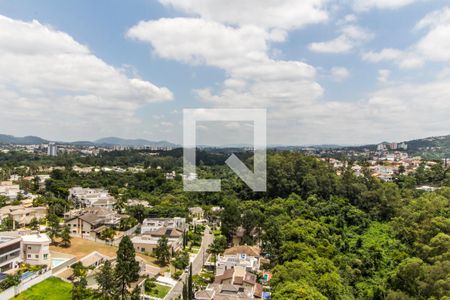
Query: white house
pixel 36 249
pixel 153 224
pixel 247 257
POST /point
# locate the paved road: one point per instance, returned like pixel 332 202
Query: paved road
pixel 197 265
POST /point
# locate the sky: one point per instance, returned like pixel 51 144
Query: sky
pixel 327 71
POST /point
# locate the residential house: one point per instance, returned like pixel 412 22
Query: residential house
pixel 234 284
pixel 153 224
pixel 36 249
pixel 28 248
pixel 196 212
pixel 247 257
pixel 9 189
pixel 146 243
pixel 23 215
pixel 87 197
pixel 10 252
pixel 238 236
pixel 91 221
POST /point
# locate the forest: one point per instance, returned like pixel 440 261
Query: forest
pixel 324 236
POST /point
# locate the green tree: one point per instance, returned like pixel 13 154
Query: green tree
pixel 53 227
pixel 65 237
pixel 34 224
pixel 106 281
pixel 231 218
pixel 79 289
pixel 127 268
pixel 181 261
pixel 217 247
pixel 162 251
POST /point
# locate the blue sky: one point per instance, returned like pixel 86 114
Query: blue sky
pixel 318 67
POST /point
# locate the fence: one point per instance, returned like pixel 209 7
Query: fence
pixel 24 285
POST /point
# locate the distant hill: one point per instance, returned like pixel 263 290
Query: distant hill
pixel 26 140
pixel 133 142
pixel 109 141
pixel 430 142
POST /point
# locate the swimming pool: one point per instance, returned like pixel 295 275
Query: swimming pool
pixel 57 261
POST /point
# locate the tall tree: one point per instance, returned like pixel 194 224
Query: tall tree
pixel 127 268
pixel 217 247
pixel 231 218
pixel 162 251
pixel 65 237
pixel 53 227
pixel 106 281
pixel 189 288
pixel 79 290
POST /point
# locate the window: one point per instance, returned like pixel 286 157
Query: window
pixel 29 255
pixel 45 256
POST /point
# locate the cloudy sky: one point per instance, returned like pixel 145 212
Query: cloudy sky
pixel 327 71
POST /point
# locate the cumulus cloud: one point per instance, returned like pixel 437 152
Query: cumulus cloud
pixel 282 14
pixel 242 52
pixel 53 84
pixel 339 73
pixel 350 36
pixel 365 5
pixel 289 89
pixel 434 45
pixel 383 75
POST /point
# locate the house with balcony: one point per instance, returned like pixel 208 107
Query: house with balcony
pixel 10 252
pixel 36 250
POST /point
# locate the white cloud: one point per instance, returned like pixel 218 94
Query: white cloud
pixel 339 73
pixel 433 46
pixel 383 75
pixel 53 84
pixel 350 37
pixel 242 52
pixel 288 89
pixel 283 14
pixel 365 5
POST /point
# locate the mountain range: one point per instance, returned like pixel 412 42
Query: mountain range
pixel 108 141
pixel 439 142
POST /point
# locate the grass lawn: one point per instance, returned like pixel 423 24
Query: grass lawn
pixel 159 291
pixel 50 289
pixel 81 247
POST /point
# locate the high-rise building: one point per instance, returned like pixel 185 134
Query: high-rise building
pixel 52 149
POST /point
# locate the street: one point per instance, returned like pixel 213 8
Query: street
pixel 197 265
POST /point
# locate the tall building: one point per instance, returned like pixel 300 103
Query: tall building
pixel 52 149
